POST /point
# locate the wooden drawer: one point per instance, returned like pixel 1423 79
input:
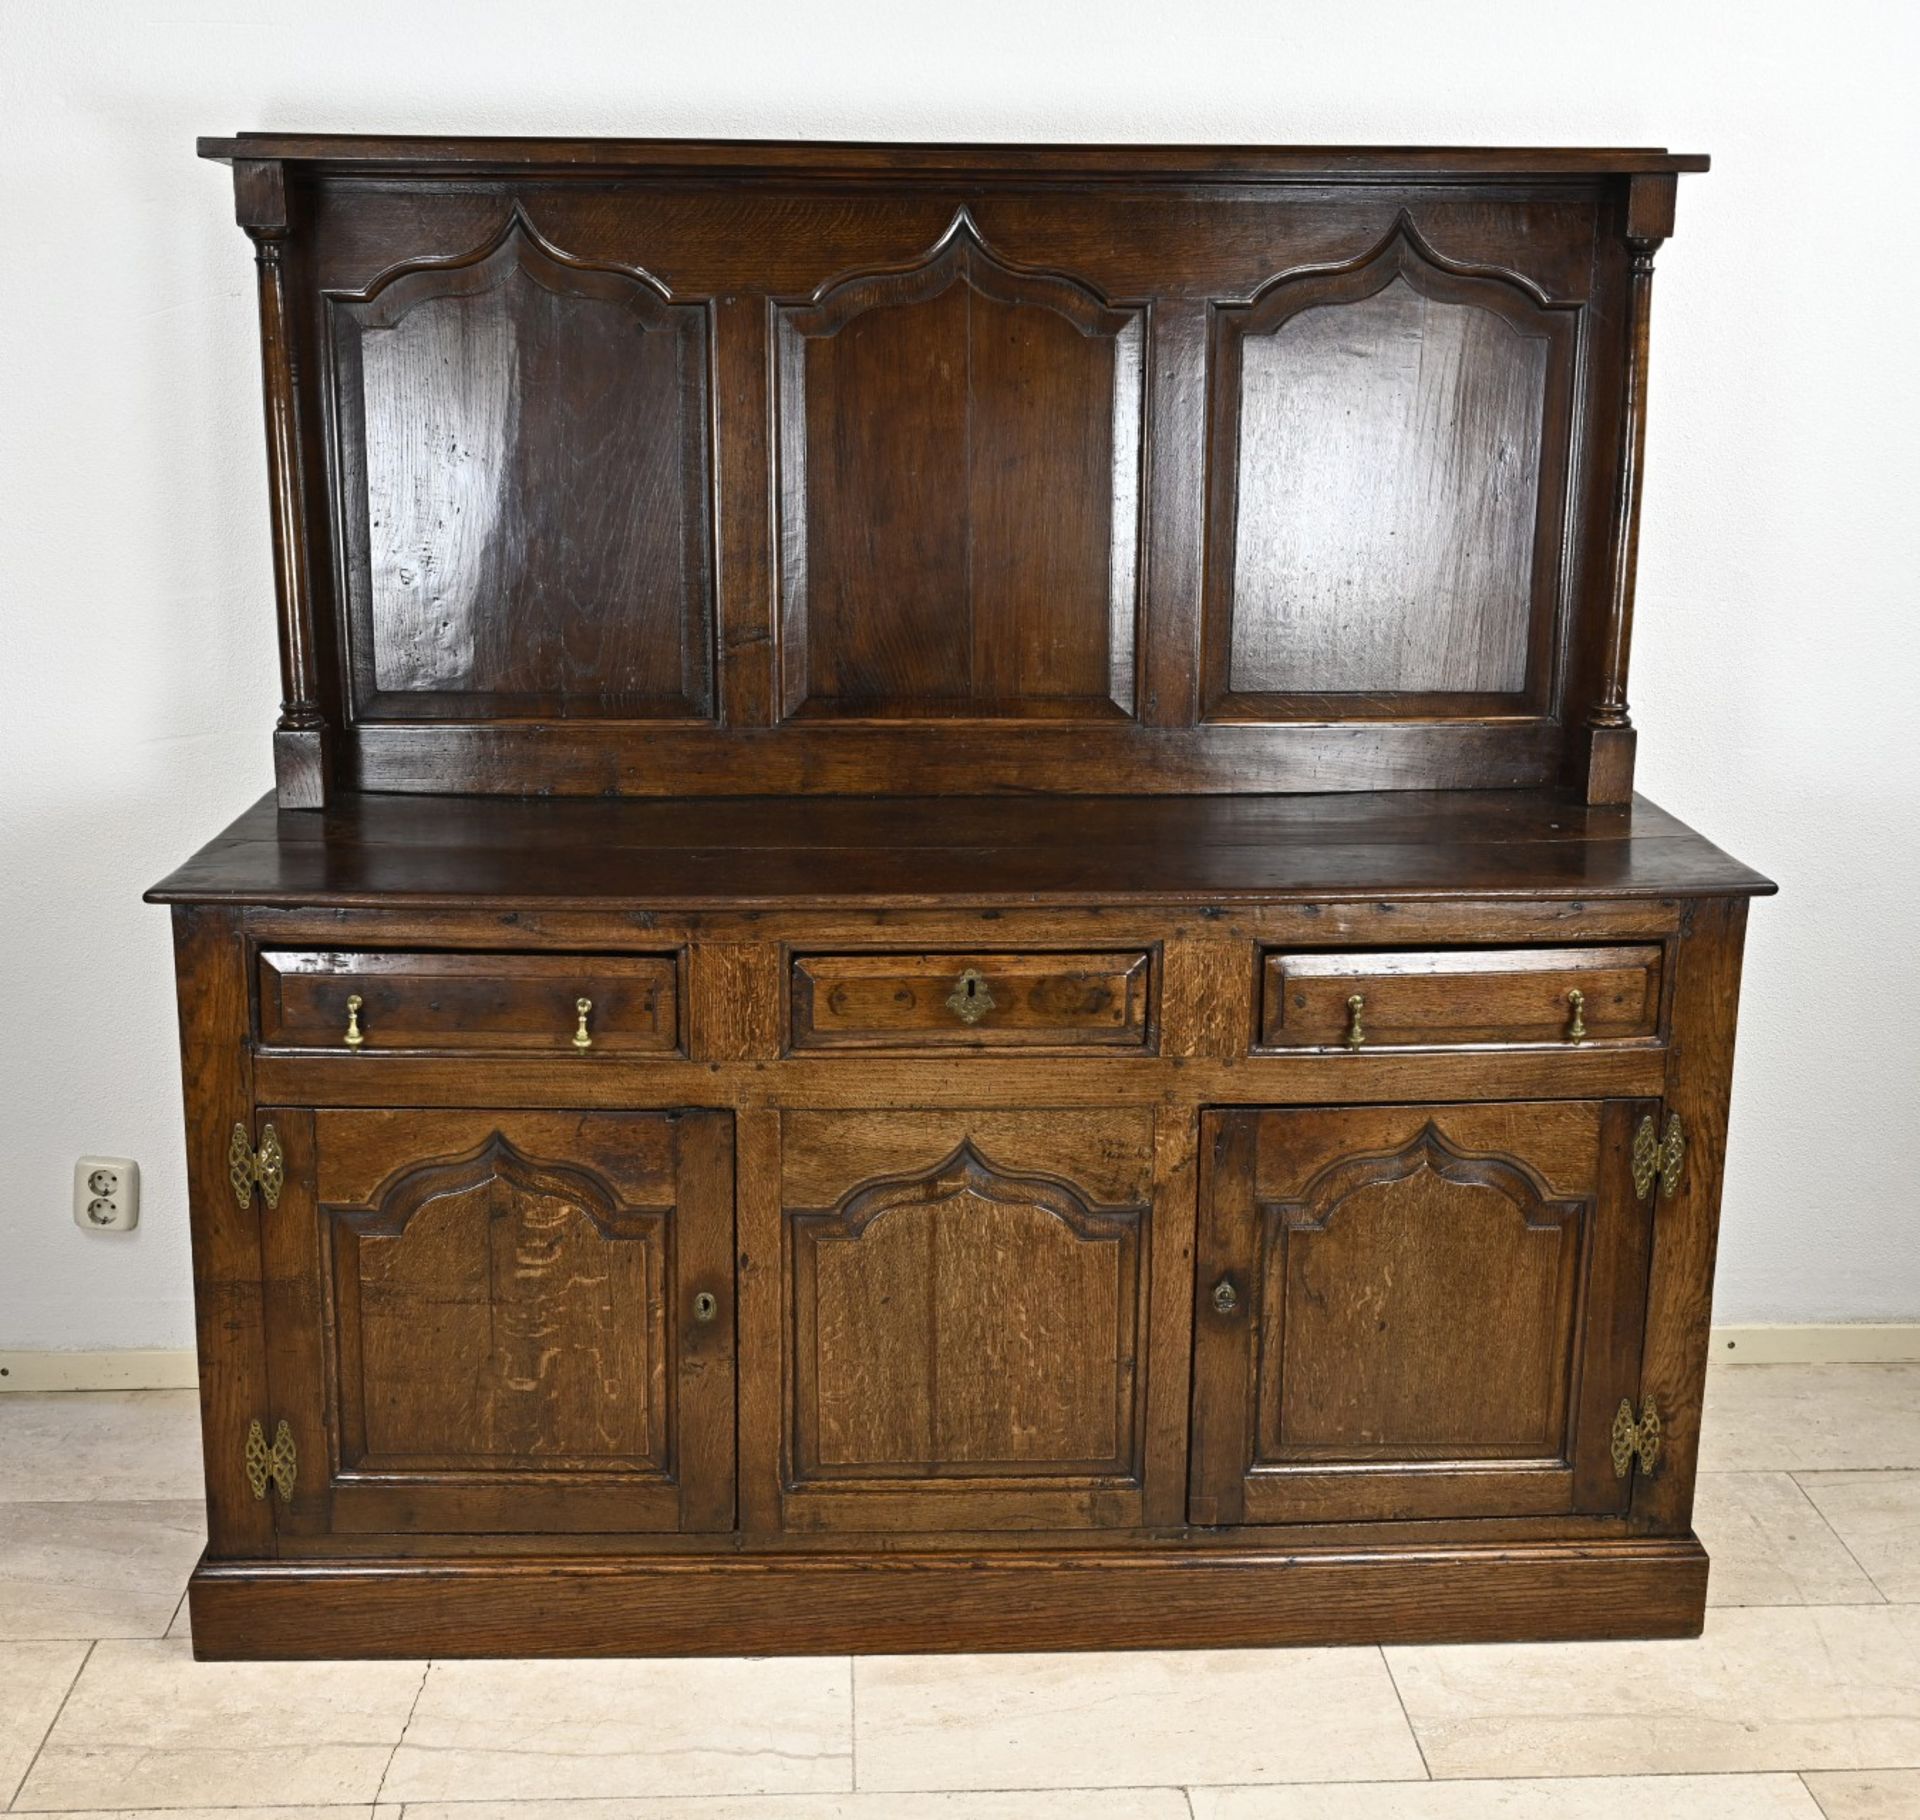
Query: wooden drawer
pixel 970 1001
pixel 468 1001
pixel 1451 996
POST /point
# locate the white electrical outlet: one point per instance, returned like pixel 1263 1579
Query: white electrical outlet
pixel 106 1193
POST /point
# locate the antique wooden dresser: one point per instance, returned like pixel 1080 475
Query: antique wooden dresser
pixel 953 949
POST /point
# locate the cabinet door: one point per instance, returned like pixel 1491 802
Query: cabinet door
pixel 1415 1311
pixel 964 1320
pixel 499 1322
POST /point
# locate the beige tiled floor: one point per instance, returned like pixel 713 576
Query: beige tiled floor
pixel 1801 1702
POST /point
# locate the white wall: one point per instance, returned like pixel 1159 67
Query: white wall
pixel 1778 644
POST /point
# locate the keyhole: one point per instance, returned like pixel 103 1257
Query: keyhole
pixel 705 1306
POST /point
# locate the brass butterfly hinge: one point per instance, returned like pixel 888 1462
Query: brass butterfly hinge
pixel 275 1465
pixel 1658 1156
pixel 265 1168
pixel 1635 1440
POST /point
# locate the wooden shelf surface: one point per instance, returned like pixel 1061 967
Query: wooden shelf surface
pixel 426 851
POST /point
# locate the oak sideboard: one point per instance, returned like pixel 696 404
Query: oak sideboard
pixel 953 948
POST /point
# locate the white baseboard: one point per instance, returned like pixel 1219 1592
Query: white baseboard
pixel 153 1369
pixel 1833 1343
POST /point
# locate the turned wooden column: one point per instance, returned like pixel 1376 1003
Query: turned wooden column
pixel 300 737
pixel 1650 202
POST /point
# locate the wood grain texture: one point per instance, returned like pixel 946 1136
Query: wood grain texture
pixel 646 858
pixel 217 1076
pixel 1488 995
pixel 1354 571
pixel 971 1001
pixel 970 657
pixel 483 1321
pixel 469 1001
pixel 1390 452
pixel 1178 164
pixel 1401 1307
pixel 1649 220
pixel 960 489
pixel 969 1303
pixel 876 1605
pixel 649 468
pixel 526 463
pixel 301 744
pixel 1686 1225
pixel 737 1001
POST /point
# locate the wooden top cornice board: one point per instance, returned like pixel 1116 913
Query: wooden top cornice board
pixel 662 468
pixel 351 152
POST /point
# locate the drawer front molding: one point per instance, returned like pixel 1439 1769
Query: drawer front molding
pixel 1444 997
pixel 559 1003
pixel 979 1001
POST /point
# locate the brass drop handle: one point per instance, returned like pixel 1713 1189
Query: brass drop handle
pixel 1576 1016
pixel 353 1039
pixel 1356 1032
pixel 1225 1297
pixel 582 1036
pixel 970 1000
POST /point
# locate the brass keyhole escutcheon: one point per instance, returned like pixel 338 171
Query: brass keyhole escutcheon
pixel 970 1000
pixel 582 1036
pixel 353 1039
pixel 1356 1031
pixel 1225 1297
pixel 1576 1016
pixel 705 1305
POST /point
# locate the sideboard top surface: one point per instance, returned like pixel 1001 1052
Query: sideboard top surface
pixel 463 852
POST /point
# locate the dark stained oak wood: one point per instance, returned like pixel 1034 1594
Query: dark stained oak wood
pixel 302 746
pixel 1680 1287
pixel 468 1001
pixel 971 1325
pixel 867 1603
pixel 654 469
pixel 960 492
pixel 1492 995
pixel 1415 1310
pixel 484 1321
pixel 390 851
pixel 528 432
pixel 211 964
pixel 366 153
pixel 1390 461
pixel 970 1001
pixel 1066 708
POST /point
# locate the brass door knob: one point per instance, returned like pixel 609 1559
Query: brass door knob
pixel 582 1036
pixel 353 1039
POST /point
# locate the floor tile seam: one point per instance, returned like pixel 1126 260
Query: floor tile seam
pixel 1886 1598
pixel 26 1775
pixel 413 1706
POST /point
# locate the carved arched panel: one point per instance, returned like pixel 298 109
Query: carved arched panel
pixel 1419 1304
pixel 1389 464
pixel 965 1322
pixel 500 1312
pixel 525 481
pixel 960 465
